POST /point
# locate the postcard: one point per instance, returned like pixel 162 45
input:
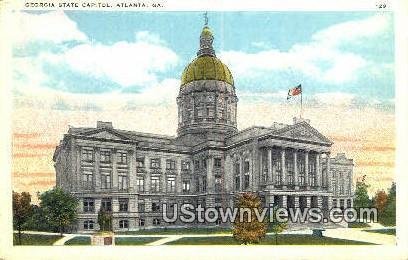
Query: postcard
pixel 160 129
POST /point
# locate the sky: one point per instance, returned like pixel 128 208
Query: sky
pixel 77 67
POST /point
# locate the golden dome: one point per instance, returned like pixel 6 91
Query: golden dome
pixel 206 68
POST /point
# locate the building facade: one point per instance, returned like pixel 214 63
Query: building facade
pixel 209 162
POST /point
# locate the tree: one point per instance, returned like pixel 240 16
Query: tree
pixel 60 208
pixel 249 229
pixel 362 200
pixel 388 216
pixel 21 211
pixel 380 201
pixel 38 221
pixel 105 220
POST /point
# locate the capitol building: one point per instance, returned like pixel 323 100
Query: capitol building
pixel 209 162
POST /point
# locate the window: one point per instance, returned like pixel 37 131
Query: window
pixel 155 206
pixel 106 204
pixel 196 165
pixel 155 163
pixel 123 205
pixel 89 224
pixel 185 165
pixel 290 170
pixel 246 180
pixel 218 184
pixel 106 180
pixel 105 156
pixel 141 206
pixel 186 186
pixel 156 221
pixel 170 164
pixel 197 185
pixel 237 182
pixel 204 185
pixel 89 205
pixel 171 184
pixel 246 166
pixel 123 223
pixel 87 180
pixel 122 157
pixel 155 182
pixel 217 162
pixel 141 222
pixel 88 155
pixel 140 184
pixel 237 169
pixel 123 182
pixel 140 162
pixel 204 163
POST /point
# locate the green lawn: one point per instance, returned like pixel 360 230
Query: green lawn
pixel 40 240
pixel 79 241
pixel 388 231
pixel 134 241
pixel 358 225
pixel 286 239
pixel 178 231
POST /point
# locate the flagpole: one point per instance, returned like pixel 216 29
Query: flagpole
pixel 301 103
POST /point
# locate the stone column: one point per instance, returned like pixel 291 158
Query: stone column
pixel 210 175
pixel 318 172
pixel 296 174
pixel 77 168
pixel 97 174
pixel 179 182
pixel 283 158
pixel 269 167
pixel 98 203
pixel 132 170
pixel 270 199
pixel 338 203
pixel 329 174
pixel 115 177
pixel 296 201
pixel 163 175
pixel 330 202
pixel 284 201
pixel 345 203
pixel 308 201
pixel 115 204
pixel 307 170
pixel 319 202
pixel 147 176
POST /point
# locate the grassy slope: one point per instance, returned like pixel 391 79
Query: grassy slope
pixel 388 231
pixel 30 239
pixel 134 241
pixel 79 241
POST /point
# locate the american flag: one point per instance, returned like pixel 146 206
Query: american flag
pixel 294 91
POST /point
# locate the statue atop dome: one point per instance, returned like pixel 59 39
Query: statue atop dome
pixel 206 40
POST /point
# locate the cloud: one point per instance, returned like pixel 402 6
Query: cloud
pixel 323 59
pixel 55 27
pixel 124 63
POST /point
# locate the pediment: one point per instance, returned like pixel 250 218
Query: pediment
pixel 303 131
pixel 105 134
